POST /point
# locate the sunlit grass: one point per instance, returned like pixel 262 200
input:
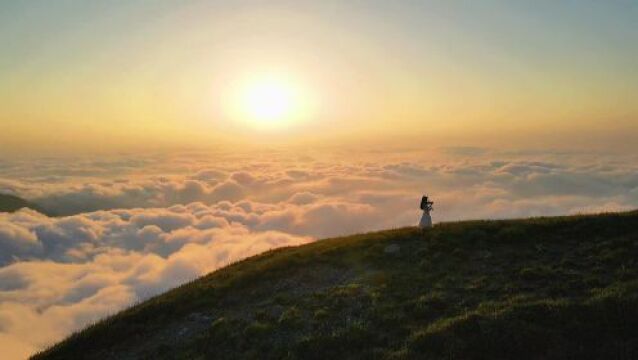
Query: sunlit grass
pixel 564 287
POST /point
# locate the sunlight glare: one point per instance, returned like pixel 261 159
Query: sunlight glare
pixel 271 102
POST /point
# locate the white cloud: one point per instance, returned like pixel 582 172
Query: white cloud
pixel 142 224
pixel 89 265
pixel 16 240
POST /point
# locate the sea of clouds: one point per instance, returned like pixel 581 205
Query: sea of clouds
pixel 133 225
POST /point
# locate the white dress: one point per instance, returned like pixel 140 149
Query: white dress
pixel 426 220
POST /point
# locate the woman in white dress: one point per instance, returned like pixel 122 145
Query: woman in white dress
pixel 426 219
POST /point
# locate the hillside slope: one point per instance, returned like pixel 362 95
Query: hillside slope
pixel 550 288
pixel 11 203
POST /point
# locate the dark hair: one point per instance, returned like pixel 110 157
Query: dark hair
pixel 425 203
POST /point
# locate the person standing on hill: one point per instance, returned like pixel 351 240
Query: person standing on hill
pixel 426 219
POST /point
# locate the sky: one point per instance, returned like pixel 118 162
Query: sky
pixel 113 75
pixel 173 138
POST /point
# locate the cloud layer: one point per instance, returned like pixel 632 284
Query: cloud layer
pixel 62 273
pixel 135 226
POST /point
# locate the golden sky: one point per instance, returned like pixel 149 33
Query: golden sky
pixel 104 77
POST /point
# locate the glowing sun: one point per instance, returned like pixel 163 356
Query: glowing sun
pixel 271 102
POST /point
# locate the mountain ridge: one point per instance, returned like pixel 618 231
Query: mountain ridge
pixel 12 203
pixel 555 287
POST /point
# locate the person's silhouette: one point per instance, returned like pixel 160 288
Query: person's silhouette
pixel 426 219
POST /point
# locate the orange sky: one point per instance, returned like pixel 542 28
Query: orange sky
pixel 88 77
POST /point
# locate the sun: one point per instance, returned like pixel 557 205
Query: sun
pixel 271 102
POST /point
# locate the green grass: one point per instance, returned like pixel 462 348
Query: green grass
pixel 542 288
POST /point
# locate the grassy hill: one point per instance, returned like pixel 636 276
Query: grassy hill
pixel 11 203
pixel 542 288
